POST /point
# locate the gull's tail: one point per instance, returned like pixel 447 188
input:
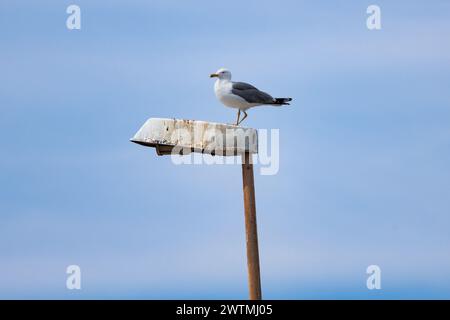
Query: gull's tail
pixel 281 101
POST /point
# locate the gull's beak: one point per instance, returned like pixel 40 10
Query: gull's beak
pixel 213 75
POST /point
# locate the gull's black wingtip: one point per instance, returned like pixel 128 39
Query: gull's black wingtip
pixel 282 101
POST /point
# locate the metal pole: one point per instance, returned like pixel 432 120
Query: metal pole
pixel 251 232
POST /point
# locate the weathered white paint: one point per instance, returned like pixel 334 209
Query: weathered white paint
pixel 196 136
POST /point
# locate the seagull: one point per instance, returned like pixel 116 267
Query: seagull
pixel 241 95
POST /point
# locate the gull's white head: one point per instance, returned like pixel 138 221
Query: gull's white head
pixel 222 74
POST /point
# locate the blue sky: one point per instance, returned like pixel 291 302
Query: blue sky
pixel 364 149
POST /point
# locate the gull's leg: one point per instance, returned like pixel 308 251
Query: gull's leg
pixel 245 116
pixel 238 116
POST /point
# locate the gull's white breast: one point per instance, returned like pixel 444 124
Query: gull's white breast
pixel 222 89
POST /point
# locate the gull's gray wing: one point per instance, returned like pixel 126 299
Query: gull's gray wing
pixel 250 94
